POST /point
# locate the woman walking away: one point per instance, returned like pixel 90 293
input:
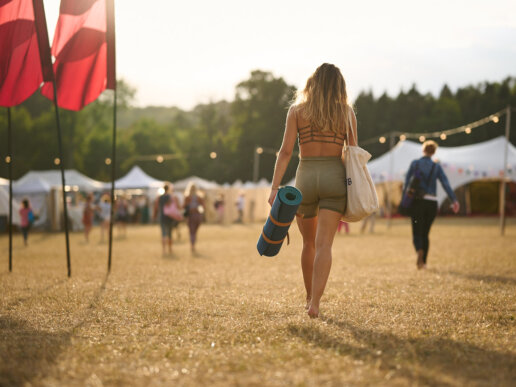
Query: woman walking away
pixel 194 208
pixel 105 215
pixel 87 216
pixel 26 219
pixel 424 210
pixel 320 120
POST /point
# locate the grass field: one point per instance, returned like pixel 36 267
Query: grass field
pixel 230 317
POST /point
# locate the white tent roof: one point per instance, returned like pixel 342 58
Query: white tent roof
pixel 43 181
pixel 201 183
pixel 4 182
pixel 4 207
pixel 462 164
pixel 137 178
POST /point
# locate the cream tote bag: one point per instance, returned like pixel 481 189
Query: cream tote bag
pixel 362 200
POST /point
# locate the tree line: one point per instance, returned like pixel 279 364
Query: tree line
pixel 218 140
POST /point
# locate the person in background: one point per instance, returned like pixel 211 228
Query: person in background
pixel 165 222
pixel 105 215
pixel 87 216
pixel 194 208
pixel 26 219
pixel 144 209
pixel 424 210
pixel 371 220
pixel 121 216
pixel 219 208
pixel 240 204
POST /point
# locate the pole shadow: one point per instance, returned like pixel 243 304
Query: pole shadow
pixel 28 353
pixel 427 360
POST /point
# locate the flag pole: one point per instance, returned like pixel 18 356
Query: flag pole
pixel 111 84
pixel 10 169
pixel 113 171
pixel 61 164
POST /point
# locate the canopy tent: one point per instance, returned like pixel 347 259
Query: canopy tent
pixel 136 178
pixel 4 183
pixel 44 181
pixel 462 164
pixel 202 184
pixel 42 188
pixel 4 208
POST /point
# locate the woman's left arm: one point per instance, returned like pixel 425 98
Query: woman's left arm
pixel 285 153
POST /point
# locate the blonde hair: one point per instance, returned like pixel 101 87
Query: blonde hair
pixel 430 147
pixel 324 100
pixel 191 188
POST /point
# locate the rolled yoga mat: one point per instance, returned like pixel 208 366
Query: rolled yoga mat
pixel 281 216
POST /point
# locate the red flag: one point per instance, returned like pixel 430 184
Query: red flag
pixel 23 35
pixel 82 51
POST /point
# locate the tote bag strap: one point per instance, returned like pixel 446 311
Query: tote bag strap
pixel 350 125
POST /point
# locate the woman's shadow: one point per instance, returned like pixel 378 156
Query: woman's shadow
pixel 422 360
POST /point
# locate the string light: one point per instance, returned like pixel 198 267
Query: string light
pixel 213 155
pixel 443 136
pixel 159 159
pixel 108 161
pixel 495 119
pixel 57 161
pixel 422 138
pixel 7 159
pixel 467 130
pixel 382 140
pixel 403 137
pixel 259 150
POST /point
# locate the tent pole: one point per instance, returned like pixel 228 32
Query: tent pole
pixel 389 181
pixel 113 169
pixel 505 155
pixel 10 171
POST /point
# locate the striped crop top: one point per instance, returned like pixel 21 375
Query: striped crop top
pixel 308 134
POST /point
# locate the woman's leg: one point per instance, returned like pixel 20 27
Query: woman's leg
pixel 417 230
pixel 194 221
pixel 429 217
pixel 308 228
pixel 327 224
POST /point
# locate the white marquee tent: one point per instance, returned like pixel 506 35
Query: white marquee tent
pixel 202 184
pixel 136 178
pixel 4 207
pixel 43 189
pixel 462 164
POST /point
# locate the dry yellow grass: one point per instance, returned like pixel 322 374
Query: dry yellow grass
pixel 231 317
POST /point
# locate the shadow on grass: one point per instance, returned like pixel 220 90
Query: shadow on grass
pixel 477 277
pixel 426 360
pixel 27 353
pixel 35 292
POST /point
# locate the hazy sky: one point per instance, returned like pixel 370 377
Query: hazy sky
pixel 187 52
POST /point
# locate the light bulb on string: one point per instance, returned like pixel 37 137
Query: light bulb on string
pixel 403 137
pixel 495 119
pixel 422 138
pixel 443 136
pixel 467 130
pixel 382 140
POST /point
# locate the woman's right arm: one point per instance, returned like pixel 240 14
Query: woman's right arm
pixel 285 153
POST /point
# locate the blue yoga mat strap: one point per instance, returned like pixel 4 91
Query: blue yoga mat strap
pixel 280 224
pixel 270 240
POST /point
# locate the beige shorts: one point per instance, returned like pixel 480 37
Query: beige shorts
pixel 322 181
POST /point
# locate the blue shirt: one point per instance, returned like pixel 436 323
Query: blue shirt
pixel 425 166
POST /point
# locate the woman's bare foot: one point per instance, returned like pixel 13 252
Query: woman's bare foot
pixel 313 311
pixel 308 302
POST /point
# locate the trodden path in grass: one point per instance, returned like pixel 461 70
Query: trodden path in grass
pixel 230 317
